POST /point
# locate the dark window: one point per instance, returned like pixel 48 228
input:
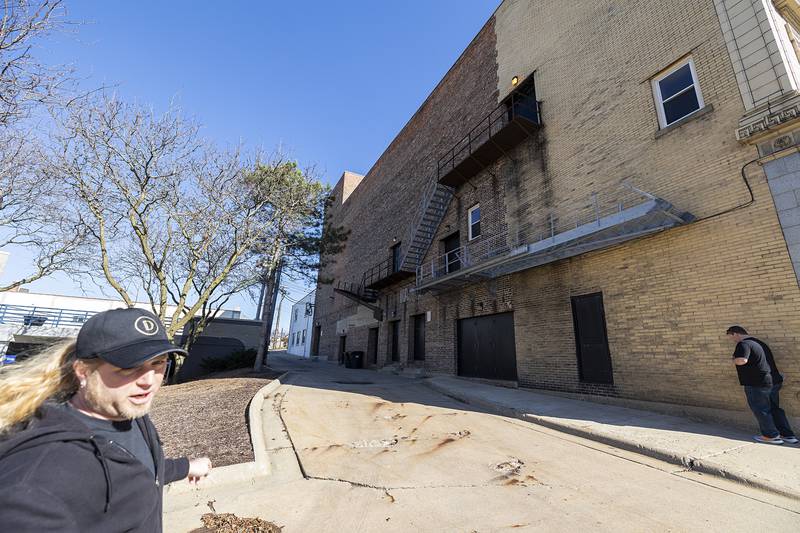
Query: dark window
pixel 677 94
pixel 474 221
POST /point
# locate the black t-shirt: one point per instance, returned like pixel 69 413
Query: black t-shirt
pixel 777 377
pixel 756 372
pixel 125 433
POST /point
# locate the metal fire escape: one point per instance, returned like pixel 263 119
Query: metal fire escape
pixel 437 200
pixel 513 120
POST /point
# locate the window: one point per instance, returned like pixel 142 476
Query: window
pixel 677 93
pixel 474 221
pixel 304 337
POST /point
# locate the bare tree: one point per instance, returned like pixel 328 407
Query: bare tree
pixel 171 216
pixel 24 81
pixel 30 216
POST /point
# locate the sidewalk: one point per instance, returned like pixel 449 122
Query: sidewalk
pixel 702 447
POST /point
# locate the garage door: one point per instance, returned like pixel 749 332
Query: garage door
pixel 486 347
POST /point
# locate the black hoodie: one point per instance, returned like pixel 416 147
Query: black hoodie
pixel 55 475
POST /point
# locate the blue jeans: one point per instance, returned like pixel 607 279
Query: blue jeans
pixel 765 404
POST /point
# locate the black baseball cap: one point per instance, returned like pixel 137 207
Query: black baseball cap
pixel 126 338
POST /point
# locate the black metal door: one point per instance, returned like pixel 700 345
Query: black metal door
pixel 452 245
pixel 372 346
pixel 591 339
pixel 419 337
pixel 315 341
pixel 486 347
pixel 394 340
pixel 396 259
pixel 342 347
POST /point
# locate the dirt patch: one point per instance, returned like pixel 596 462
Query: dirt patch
pixel 230 523
pixel 208 417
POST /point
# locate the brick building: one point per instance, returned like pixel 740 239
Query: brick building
pixel 589 197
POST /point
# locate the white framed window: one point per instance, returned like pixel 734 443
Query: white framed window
pixel 474 221
pixel 304 337
pixel 677 93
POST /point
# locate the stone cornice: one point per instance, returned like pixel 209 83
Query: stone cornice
pixel 769 122
pixel 771 119
pixel 789 10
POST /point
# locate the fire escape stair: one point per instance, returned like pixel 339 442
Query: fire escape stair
pixel 435 207
pixel 362 296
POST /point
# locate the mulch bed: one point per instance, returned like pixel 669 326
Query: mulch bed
pixel 230 523
pixel 208 417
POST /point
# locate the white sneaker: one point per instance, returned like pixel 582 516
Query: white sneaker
pixel 768 440
pixel 790 440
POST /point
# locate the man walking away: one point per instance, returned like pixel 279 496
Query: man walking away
pixel 762 382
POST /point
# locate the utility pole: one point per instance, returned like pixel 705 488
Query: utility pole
pixel 276 335
pixel 270 296
pixel 260 298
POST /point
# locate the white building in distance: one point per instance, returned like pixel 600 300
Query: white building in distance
pixel 301 322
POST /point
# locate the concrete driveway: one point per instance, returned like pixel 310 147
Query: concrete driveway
pixel 358 450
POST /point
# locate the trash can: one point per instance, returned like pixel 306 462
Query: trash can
pixel 347 361
pixel 357 359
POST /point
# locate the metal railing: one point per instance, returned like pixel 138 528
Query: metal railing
pixel 357 290
pixel 567 216
pixel 589 209
pixel 381 271
pixel 473 253
pixel 36 316
pixel 518 105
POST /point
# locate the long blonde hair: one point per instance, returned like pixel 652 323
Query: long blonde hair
pixel 25 386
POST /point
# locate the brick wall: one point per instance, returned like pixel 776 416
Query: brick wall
pixel 669 297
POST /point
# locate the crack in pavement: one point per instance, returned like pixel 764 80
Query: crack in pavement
pixel 723 452
pixel 413 487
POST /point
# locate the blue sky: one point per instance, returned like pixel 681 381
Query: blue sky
pixel 331 82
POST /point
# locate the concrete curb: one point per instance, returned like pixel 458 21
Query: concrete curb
pixel 690 463
pixel 241 472
pixel 257 437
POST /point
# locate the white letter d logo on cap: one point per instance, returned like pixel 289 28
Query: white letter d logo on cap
pixel 146 325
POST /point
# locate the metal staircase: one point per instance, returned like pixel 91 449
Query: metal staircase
pixel 361 295
pixel 436 200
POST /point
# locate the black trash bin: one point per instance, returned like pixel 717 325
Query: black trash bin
pixel 347 361
pixel 357 359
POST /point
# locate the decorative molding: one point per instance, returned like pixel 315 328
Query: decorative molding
pixel 789 10
pixel 771 121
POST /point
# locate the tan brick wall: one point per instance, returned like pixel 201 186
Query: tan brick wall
pixel 668 298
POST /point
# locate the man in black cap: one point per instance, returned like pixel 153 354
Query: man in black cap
pixel 78 452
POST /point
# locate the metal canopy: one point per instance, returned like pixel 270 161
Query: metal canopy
pixel 650 216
